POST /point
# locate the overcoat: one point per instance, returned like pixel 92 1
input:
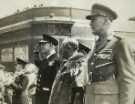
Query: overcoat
pixel 73 73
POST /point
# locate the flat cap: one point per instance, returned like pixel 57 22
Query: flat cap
pixel 101 10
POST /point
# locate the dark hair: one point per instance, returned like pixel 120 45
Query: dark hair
pixel 20 61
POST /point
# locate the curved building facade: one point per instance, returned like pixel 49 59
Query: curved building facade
pixel 20 32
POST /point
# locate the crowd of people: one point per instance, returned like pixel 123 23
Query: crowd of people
pixel 75 74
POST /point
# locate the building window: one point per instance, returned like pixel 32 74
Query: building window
pixel 21 52
pixel 7 55
pixel 63 29
pixel 51 29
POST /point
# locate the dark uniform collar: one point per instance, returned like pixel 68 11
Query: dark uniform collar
pixel 101 43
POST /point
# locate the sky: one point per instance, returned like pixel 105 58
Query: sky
pixel 124 8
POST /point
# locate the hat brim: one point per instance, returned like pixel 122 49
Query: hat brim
pixel 90 17
pixel 43 41
pixel 83 47
pixel 50 39
pixel 20 61
pixel 53 41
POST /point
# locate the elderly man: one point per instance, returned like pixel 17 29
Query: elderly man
pixel 48 66
pixel 104 87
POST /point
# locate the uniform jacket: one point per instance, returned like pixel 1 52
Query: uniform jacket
pixel 73 73
pixel 47 72
pixel 104 87
pixel 103 68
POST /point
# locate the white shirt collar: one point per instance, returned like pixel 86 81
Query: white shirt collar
pixel 51 53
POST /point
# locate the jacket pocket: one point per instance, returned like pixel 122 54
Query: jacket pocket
pixel 106 87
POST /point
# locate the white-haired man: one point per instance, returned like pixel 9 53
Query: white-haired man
pixel 68 87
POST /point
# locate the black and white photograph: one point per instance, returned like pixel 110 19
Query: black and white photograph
pixel 67 51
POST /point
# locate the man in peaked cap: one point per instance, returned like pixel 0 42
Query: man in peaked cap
pixel 101 10
pixel 113 60
pixel 104 88
pixel 48 66
pixel 47 46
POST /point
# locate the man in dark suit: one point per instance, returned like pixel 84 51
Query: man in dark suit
pixel 113 61
pixel 48 66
